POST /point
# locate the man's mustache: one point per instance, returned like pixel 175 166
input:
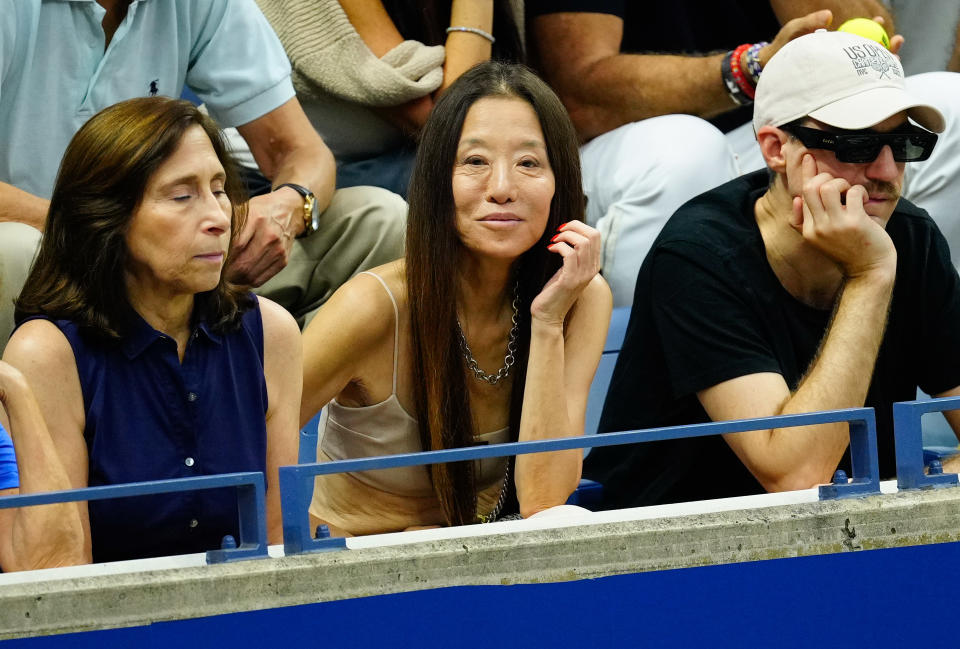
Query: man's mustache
pixel 880 187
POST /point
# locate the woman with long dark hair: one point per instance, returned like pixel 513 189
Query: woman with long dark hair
pixel 147 363
pixel 489 330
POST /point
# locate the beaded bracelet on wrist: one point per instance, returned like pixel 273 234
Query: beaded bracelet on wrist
pixel 753 61
pixel 736 93
pixel 730 84
pixel 738 74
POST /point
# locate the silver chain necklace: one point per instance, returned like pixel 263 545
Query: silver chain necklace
pixel 495 512
pixel 509 359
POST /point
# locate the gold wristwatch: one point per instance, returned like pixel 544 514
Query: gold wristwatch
pixel 311 211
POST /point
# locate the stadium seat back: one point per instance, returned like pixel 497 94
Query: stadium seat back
pixel 601 380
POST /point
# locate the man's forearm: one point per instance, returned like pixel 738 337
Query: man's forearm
pixel 622 88
pixel 630 87
pixel 310 166
pixel 288 150
pixel 19 206
pixel 839 377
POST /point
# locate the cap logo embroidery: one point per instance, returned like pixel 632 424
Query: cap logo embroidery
pixel 867 57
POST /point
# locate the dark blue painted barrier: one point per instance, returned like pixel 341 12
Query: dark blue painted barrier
pixel 852 599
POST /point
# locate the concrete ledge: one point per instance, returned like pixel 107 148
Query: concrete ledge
pixel 568 553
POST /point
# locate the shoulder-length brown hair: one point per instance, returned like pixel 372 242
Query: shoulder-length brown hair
pixel 79 271
pixel 434 248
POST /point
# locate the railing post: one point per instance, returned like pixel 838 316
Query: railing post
pixel 863 461
pixel 251 507
pixel 908 436
pixel 251 511
pixel 296 488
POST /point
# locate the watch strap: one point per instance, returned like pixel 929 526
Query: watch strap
pixel 309 206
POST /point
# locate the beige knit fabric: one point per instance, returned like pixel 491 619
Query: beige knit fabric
pixel 329 57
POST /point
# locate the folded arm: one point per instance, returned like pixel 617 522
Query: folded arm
pixel 604 88
pixel 463 49
pixel 374 26
pixel 287 150
pixel 567 333
pixel 44 536
pixel 839 377
pixel 830 216
pixel 51 453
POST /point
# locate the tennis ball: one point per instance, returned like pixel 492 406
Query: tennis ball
pixel 866 28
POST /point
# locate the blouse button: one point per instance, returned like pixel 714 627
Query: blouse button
pixel 194 522
pixel 192 396
pixel 188 461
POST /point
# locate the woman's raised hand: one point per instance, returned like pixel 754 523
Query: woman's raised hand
pixel 579 245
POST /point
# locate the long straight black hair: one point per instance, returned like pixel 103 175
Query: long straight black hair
pixel 434 248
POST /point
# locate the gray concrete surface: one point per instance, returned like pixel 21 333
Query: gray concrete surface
pixel 588 551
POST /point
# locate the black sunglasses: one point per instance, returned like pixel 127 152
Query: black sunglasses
pixel 909 143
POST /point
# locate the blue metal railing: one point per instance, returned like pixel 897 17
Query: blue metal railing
pixel 250 505
pixel 296 482
pixel 909 443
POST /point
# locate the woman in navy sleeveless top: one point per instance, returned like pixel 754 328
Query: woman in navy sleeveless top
pixel 147 362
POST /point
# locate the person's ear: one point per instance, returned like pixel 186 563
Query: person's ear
pixel 771 140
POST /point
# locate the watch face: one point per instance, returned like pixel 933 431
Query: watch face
pixel 314 213
pixel 311 212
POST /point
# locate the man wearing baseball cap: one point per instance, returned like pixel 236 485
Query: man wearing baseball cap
pixel 809 286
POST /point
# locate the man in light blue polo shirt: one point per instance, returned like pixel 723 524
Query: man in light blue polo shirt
pixel 61 61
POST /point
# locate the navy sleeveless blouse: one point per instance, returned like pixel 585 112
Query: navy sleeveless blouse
pixel 149 417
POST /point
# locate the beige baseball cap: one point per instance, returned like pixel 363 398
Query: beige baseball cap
pixel 840 79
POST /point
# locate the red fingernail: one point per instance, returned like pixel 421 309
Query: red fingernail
pixel 555 237
pixel 562 226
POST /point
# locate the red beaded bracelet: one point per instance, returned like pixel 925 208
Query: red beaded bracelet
pixel 737 71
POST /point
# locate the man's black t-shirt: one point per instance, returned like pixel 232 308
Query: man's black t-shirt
pixel 679 27
pixel 708 308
